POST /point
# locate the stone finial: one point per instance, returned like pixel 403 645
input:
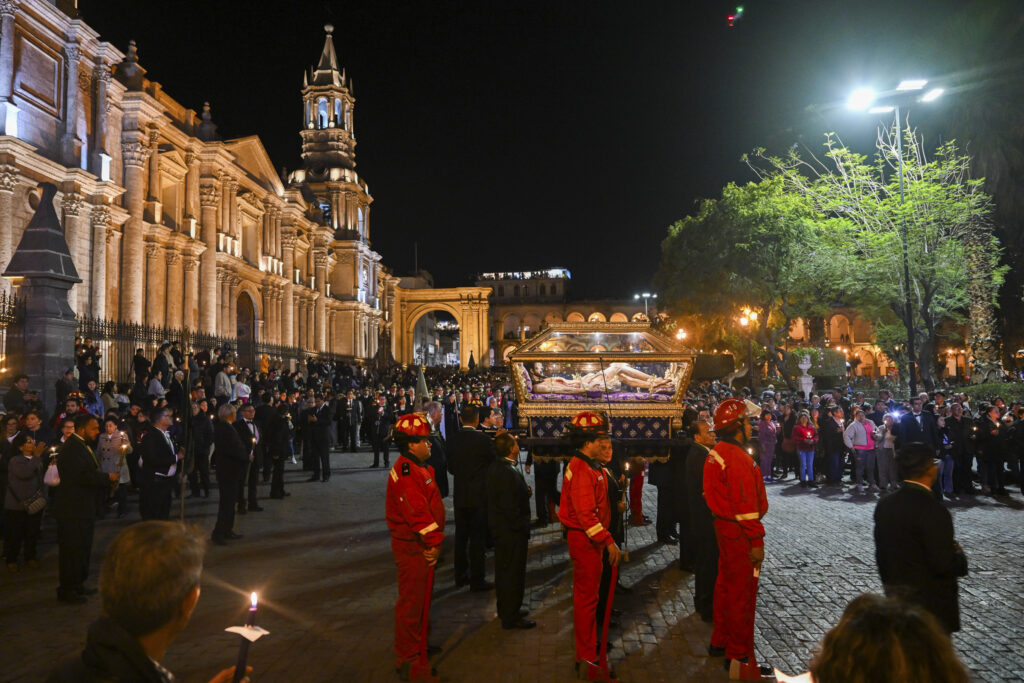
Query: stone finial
pixel 128 70
pixel 329 28
pixel 207 129
pixel 43 251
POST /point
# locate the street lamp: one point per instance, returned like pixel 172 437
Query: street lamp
pixel 748 319
pixel 680 334
pixel 861 99
pixel 645 296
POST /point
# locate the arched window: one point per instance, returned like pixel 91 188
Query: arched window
pixel 337 112
pixel 554 288
pixel 501 290
pixel 321 113
pixel 543 290
pixel 360 222
pixel 515 290
pixel 305 109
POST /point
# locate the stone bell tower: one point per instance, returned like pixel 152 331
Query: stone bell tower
pixel 328 136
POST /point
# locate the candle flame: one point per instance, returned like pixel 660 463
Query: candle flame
pixel 252 597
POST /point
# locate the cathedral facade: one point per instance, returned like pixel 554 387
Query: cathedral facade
pixel 171 226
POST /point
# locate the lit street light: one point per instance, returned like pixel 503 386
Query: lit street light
pixel 748 320
pixel 861 99
pixel 645 296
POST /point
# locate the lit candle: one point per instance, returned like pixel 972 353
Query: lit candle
pixel 243 647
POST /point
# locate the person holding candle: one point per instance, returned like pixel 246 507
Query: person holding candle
pixel 149 584
pixel 415 516
pixel 113 449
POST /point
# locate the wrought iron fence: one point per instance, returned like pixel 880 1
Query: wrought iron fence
pixel 117 342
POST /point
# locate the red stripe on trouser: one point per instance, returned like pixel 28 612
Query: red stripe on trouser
pixel 412 592
pixel 586 582
pixel 636 494
pixel 735 593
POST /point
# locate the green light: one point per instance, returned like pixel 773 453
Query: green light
pixel 739 10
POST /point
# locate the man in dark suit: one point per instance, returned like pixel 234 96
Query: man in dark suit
pixel 252 436
pixel 700 519
pixel 918 558
pixel 159 460
pixel 266 413
pixel 918 426
pixel 831 428
pixel 438 456
pixel 75 507
pixel 508 515
pixel 319 423
pixel 232 457
pixel 380 431
pixel 470 454
pixel 354 418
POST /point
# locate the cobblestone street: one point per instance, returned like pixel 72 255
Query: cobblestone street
pixel 321 563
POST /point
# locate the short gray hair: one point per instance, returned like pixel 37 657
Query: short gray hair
pixel 225 410
pixel 148 571
pixel 433 407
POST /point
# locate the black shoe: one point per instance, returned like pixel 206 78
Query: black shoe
pixel 669 539
pixel 374 465
pixel 255 508
pixel 481 587
pixel 521 624
pixel 706 617
pixel 523 611
pixel 86 590
pixel 433 650
pixel 325 479
pixel 715 651
pixel 538 524
pixel 622 588
pixel 218 540
pixel 459 583
pixel 233 536
pixel 812 485
pixel 72 598
pixel 315 477
pixel 241 510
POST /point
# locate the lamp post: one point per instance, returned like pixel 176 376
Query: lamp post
pixel 747 320
pixel 645 296
pixel 862 99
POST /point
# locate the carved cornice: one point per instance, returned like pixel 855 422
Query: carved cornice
pixel 209 195
pixel 191 262
pixel 8 7
pixel 134 151
pixel 100 215
pixel 101 74
pixel 71 204
pixel 173 256
pixel 8 178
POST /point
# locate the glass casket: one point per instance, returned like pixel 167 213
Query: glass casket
pixel 634 374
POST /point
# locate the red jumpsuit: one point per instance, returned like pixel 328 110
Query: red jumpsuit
pixel 586 511
pixel 415 516
pixel 734 490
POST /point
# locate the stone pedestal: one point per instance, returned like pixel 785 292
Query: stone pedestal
pixel 44 272
pixel 805 381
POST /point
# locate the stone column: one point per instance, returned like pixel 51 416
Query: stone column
pixel 191 315
pixel 134 153
pixel 235 225
pixel 68 141
pixel 8 110
pixel 288 295
pixel 156 283
pixel 154 165
pixel 311 323
pixel 175 289
pixel 222 308
pixel 75 231
pixel 277 235
pixel 321 301
pixel 209 196
pixel 100 217
pixel 225 202
pixel 101 76
pixel 268 312
pixel 8 181
pixel 300 322
pixel 233 305
pixel 191 192
pixel 113 279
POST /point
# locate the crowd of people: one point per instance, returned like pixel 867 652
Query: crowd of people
pixel 143 443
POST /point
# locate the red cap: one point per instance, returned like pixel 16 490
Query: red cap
pixel 589 421
pixel 728 411
pixel 413 425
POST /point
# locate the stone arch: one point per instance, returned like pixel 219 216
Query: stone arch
pixel 839 329
pixel 618 317
pixel 639 317
pixel 510 324
pixel 867 367
pixel 531 323
pixel 467 305
pixel 553 317
pixel 575 317
pixel 596 317
pixel 247 323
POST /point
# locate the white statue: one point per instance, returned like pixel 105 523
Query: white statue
pixel 806 381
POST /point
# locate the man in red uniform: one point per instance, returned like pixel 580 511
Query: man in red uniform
pixel 585 511
pixel 734 491
pixel 415 515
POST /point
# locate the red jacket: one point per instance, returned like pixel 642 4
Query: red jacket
pixel 585 506
pixel 413 507
pixel 734 490
pixel 805 436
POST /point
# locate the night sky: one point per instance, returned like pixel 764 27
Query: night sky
pixel 520 135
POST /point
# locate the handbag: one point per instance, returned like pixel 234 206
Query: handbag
pixel 788 445
pixel 52 476
pixel 33 505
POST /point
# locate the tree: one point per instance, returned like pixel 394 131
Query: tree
pixel 946 219
pixel 754 247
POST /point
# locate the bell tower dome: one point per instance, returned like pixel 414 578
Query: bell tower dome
pixel 328 135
